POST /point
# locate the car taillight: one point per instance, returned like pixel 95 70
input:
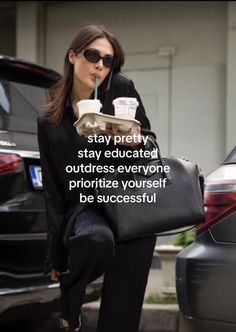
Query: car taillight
pixel 217 206
pixel 10 162
pixel 219 195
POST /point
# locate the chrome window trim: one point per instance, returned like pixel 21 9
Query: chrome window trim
pixel 22 153
pixel 23 236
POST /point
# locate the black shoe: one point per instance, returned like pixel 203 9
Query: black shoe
pixel 67 328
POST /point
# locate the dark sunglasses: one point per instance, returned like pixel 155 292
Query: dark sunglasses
pixel 94 56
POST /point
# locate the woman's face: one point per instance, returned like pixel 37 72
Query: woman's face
pixel 85 72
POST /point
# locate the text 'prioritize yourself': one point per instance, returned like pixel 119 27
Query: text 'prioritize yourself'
pixel 105 155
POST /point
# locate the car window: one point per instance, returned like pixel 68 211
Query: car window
pixel 4 99
pixel 231 158
pixel 20 105
pixel 224 172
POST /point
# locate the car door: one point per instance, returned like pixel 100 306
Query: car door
pixel 22 209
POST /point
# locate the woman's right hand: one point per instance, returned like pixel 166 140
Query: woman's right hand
pixel 55 275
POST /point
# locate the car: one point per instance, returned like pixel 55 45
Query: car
pixel 206 270
pixel 25 291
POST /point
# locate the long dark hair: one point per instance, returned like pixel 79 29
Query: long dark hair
pixel 61 91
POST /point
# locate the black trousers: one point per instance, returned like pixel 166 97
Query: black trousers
pixel 93 251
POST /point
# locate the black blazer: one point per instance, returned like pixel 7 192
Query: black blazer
pixel 58 148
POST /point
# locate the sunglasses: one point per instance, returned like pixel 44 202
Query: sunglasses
pixel 94 56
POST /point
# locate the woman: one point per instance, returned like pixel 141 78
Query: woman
pixel 91 249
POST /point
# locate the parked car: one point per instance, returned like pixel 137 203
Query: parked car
pixel 206 270
pixel 24 290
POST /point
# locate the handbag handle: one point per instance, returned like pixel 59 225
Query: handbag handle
pixel 167 176
pixel 155 145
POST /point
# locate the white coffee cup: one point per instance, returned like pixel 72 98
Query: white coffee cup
pixel 88 106
pixel 125 107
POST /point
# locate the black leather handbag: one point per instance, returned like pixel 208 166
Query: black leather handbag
pixel 178 203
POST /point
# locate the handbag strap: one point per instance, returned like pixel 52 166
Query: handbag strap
pixel 150 145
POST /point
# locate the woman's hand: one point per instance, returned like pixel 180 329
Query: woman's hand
pixel 55 275
pixel 137 138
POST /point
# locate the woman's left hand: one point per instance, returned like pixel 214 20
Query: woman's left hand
pixel 126 138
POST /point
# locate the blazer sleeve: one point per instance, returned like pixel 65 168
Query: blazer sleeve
pixel 140 112
pixel 142 117
pixel 53 191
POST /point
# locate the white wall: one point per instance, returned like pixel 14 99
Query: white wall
pixel 231 77
pixel 198 122
pixel 197 29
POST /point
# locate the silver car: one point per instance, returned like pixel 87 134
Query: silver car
pixel 206 270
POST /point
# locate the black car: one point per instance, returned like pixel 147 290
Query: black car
pixel 206 270
pixel 24 290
